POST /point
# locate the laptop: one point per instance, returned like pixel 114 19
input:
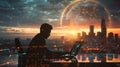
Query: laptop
pixel 75 49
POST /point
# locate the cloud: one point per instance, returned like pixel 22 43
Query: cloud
pixel 25 12
pixel 9 30
pixel 32 13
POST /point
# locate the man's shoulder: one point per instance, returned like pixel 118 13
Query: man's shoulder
pixel 38 40
pixel 37 35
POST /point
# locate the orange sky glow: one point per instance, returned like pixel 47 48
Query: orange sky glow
pixel 63 31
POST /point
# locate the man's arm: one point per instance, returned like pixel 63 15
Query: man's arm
pixel 55 54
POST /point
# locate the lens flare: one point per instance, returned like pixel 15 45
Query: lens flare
pixel 70 6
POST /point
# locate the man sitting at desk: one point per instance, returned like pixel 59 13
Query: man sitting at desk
pixel 38 45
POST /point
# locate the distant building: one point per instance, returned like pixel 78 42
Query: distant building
pixel 110 36
pixel 78 36
pixel 116 39
pixel 98 38
pixel 91 33
pixel 84 35
pixel 63 39
pixel 111 42
pixel 98 35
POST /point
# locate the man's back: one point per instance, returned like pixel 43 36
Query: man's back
pixel 35 44
pixel 37 40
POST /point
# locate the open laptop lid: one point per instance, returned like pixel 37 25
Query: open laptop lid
pixel 76 48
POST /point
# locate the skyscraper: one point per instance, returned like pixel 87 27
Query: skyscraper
pixel 91 28
pixel 103 32
pixel 103 28
pixel 103 40
pixel 91 33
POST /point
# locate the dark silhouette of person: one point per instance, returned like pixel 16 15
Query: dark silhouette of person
pixel 38 40
pixel 37 46
pixel 20 53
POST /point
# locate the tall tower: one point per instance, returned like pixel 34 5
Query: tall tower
pixel 103 33
pixel 91 29
pixel 103 40
pixel 91 33
pixel 103 28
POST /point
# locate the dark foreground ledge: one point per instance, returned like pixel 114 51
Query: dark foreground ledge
pixel 72 65
pixel 84 65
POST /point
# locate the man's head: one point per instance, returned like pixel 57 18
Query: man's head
pixel 45 30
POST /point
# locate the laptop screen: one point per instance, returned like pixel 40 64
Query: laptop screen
pixel 76 48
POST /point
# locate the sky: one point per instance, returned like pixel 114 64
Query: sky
pixel 26 16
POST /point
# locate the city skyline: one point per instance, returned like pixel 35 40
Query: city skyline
pixel 25 17
pixel 54 33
